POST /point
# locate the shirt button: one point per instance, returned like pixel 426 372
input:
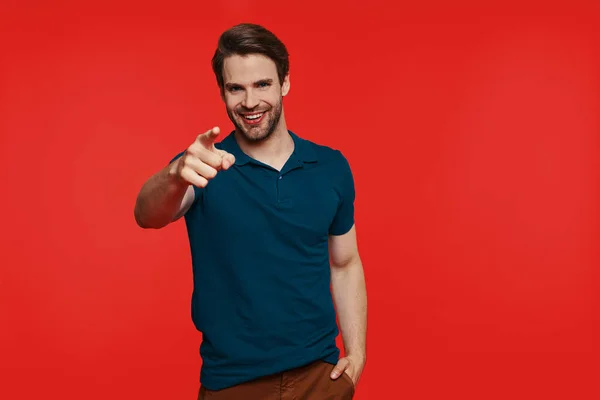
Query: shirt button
pixel 280 177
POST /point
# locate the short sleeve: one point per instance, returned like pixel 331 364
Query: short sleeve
pixel 344 217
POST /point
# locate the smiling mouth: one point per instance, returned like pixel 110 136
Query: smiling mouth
pixel 253 118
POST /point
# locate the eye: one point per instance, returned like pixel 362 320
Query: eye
pixel 234 88
pixel 264 84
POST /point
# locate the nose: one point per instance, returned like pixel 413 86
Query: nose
pixel 250 100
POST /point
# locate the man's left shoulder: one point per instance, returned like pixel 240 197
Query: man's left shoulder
pixel 324 153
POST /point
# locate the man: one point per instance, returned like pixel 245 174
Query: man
pixel 270 219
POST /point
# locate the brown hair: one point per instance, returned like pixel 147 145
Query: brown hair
pixel 244 39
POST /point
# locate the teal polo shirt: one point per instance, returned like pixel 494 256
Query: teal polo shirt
pixel 259 245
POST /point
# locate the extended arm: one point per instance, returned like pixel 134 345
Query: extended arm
pixel 169 193
pixel 162 199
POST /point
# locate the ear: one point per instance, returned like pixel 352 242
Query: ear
pixel 285 88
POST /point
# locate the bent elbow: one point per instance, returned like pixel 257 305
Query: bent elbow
pixel 143 223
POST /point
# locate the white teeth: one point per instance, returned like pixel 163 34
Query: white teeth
pixel 255 116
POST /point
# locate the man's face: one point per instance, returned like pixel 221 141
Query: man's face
pixel 253 94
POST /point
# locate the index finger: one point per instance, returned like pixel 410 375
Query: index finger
pixel 208 138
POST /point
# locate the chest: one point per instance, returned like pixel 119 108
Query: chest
pixel 259 204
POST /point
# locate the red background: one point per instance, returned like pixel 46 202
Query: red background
pixel 473 135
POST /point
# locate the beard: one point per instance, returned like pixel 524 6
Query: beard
pixel 261 131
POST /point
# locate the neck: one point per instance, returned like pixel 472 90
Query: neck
pixel 273 151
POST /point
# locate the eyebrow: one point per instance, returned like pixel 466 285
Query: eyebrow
pixel 229 85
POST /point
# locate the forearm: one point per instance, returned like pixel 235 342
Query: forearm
pixel 160 199
pixel 350 297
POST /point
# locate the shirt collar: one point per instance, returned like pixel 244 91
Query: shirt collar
pixel 303 149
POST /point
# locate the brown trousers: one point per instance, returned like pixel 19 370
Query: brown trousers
pixel 311 382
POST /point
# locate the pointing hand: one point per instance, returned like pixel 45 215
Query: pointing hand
pixel 201 161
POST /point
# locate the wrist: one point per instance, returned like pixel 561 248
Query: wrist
pixel 358 357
